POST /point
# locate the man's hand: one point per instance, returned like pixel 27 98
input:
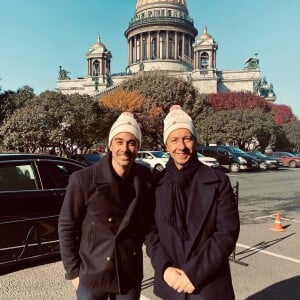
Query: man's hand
pixel 178 280
pixel 171 276
pixel 75 282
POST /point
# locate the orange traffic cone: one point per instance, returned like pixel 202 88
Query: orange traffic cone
pixel 277 225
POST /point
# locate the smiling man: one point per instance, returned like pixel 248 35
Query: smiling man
pixel 104 218
pixel 196 221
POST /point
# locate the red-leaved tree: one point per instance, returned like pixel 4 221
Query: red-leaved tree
pixel 282 114
pixel 238 100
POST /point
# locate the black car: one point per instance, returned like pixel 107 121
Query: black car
pixel 32 189
pixel 230 157
pixel 266 162
pixel 88 158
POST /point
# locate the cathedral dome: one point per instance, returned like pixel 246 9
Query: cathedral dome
pixel 141 3
pixel 98 47
pixel 205 35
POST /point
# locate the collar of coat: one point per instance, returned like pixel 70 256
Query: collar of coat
pixel 103 171
pixel 205 175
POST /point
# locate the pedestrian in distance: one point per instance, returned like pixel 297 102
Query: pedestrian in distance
pixel 104 218
pixel 196 221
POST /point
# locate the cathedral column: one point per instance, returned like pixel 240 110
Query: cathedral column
pixel 130 51
pixel 149 46
pixel 142 46
pixel 167 44
pixel 135 49
pixel 157 46
pixel 138 48
pixel 176 45
pixel 183 45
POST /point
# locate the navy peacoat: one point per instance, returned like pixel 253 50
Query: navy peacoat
pixel 213 224
pixel 99 241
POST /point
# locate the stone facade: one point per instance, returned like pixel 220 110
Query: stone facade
pixel 162 36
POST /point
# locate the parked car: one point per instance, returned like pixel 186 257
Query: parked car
pixel 32 189
pixel 209 161
pixel 88 158
pixel 288 159
pixel 266 162
pixel 230 157
pixel 155 159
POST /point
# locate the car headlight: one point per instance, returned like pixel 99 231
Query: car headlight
pixel 242 160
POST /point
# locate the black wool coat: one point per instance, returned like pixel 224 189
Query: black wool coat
pixel 99 241
pixel 213 225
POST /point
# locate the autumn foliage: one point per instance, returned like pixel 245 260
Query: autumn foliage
pixel 238 100
pixel 123 100
pixel 282 114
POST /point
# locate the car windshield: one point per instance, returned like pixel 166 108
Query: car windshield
pixel 160 154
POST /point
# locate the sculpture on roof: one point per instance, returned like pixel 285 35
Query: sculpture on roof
pixel 252 63
pixel 63 74
pixel 264 89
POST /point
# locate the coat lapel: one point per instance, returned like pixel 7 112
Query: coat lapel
pixel 200 200
pixel 103 178
pixel 130 211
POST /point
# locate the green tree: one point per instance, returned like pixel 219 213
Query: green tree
pixel 237 127
pixel 10 101
pixel 54 120
pixel 292 133
pixel 7 105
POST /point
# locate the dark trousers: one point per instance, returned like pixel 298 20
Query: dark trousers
pixel 84 293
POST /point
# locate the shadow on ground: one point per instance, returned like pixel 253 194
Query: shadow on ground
pixel 283 290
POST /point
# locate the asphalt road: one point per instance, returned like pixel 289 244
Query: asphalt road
pixel 266 265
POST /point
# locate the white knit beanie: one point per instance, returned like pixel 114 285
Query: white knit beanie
pixel 125 123
pixel 177 118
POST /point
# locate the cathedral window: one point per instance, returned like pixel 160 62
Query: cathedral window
pixel 153 48
pixel 169 13
pixel 163 45
pixel 171 48
pixel 96 68
pixel 204 60
pixel 179 48
pixel 144 49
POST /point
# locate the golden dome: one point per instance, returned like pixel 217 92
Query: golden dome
pixel 98 43
pixel 204 35
pixel 141 3
pixel 97 48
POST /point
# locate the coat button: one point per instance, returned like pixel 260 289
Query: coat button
pixel 108 258
pixel 110 220
pixel 134 253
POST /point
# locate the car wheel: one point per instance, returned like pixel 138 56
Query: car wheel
pixel 292 164
pixel 234 167
pixel 263 166
pixel 158 168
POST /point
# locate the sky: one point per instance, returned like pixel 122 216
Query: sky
pixel 38 36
